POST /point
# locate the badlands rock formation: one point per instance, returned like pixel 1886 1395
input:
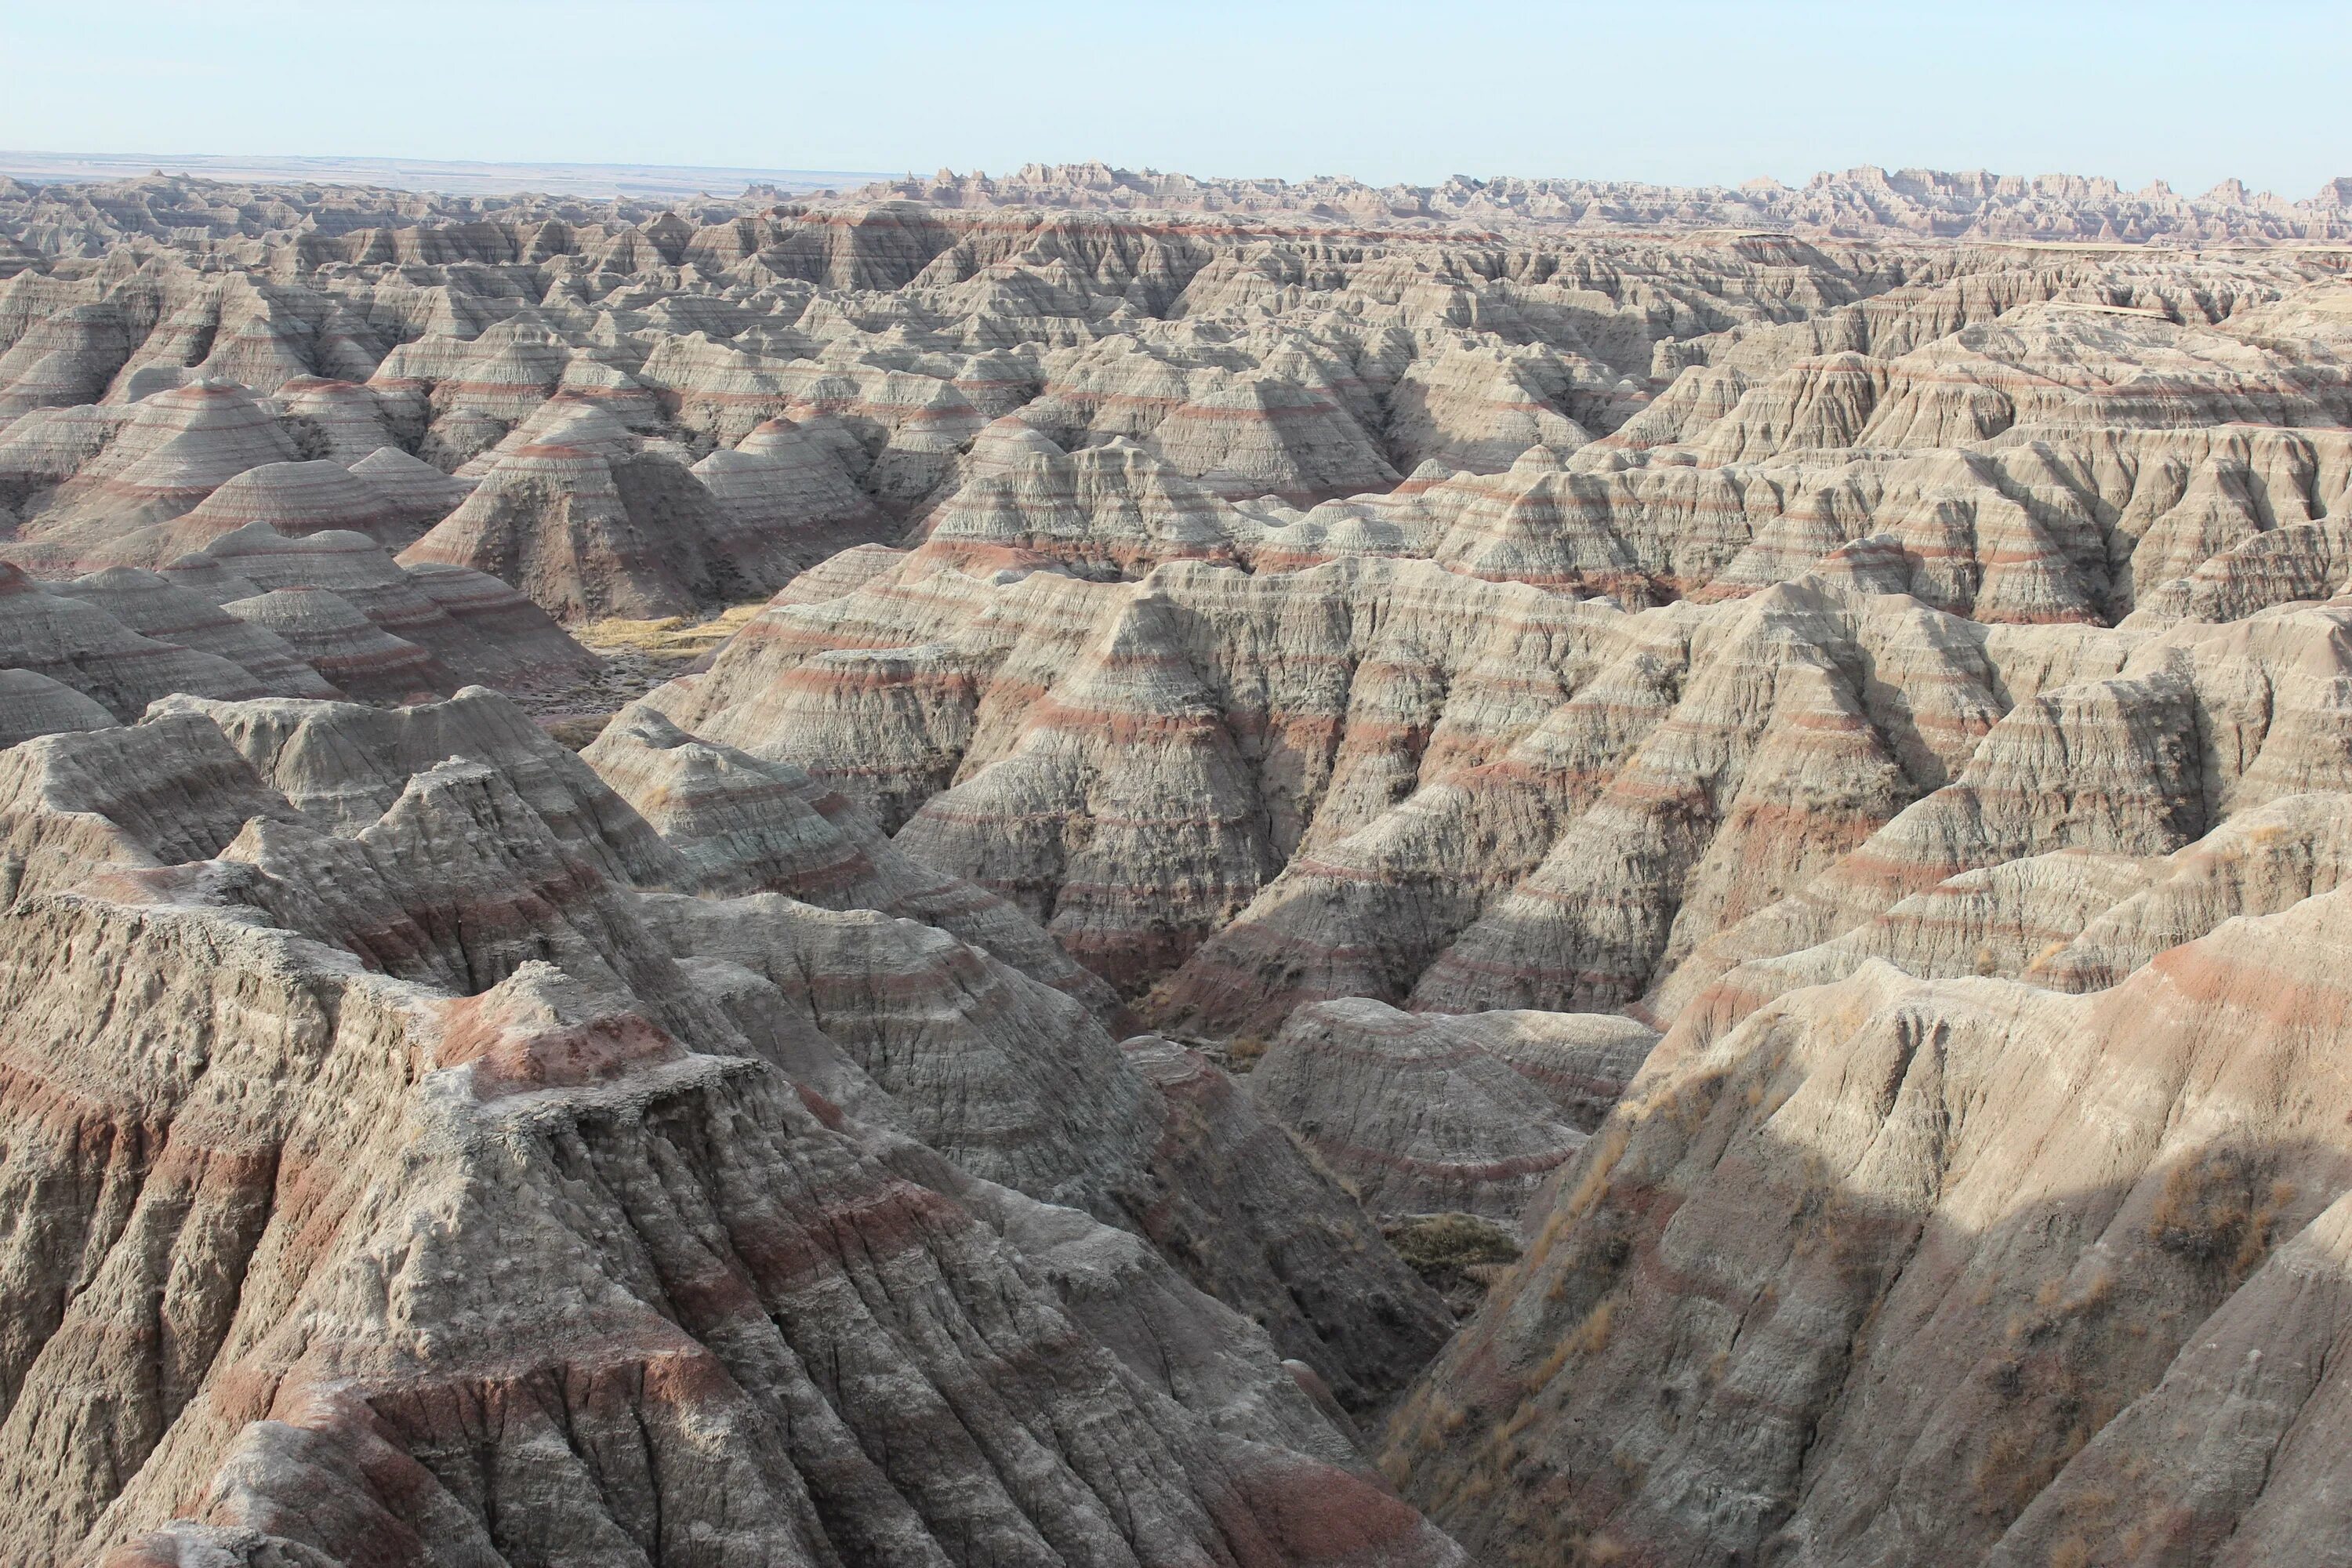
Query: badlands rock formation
pixel 1950 1270
pixel 1864 201
pixel 1791 749
pixel 1437 1113
pixel 450 1178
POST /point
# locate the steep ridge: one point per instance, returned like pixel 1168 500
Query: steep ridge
pixel 453 960
pixel 1780 752
pixel 1969 1234
pixel 75 640
pixel 746 825
pixel 1431 1113
pixel 1129 761
pixel 1010 1078
pixel 1257 361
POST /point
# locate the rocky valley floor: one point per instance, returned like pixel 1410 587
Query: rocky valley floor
pixel 1105 868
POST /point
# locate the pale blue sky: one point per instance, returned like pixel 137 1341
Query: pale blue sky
pixel 1665 90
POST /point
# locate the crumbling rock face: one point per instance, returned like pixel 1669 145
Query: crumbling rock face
pixel 69 640
pixel 1974 1235
pixel 281 1035
pixel 1429 1113
pixel 587 533
pixel 746 825
pixel 901 1023
pixel 1129 761
pixel 1886 699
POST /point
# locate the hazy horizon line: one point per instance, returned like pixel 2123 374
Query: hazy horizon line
pixel 294 168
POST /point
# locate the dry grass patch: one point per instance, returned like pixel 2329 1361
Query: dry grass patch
pixel 678 637
pixel 2219 1210
pixel 1243 1052
pixel 1442 1246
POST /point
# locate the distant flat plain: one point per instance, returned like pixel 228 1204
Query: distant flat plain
pixel 455 177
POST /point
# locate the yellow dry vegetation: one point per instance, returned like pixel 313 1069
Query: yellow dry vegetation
pixel 670 637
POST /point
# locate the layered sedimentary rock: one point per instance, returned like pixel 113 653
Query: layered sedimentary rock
pixel 455 954
pixel 473 624
pixel 155 607
pixel 1257 355
pixel 1983 1238
pixel 781 480
pixel 1130 761
pixel 32 704
pixel 294 499
pixel 73 640
pixel 943 1040
pixel 587 524
pixel 1879 686
pixel 158 458
pixel 747 825
pixel 328 633
pixel 1430 1113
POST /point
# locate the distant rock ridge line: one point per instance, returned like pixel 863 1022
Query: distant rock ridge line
pixel 189 212
pixel 1861 202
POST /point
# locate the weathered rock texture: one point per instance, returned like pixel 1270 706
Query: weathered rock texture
pixel 405 1175
pixel 1878 681
pixel 1436 1114
pixel 1991 1245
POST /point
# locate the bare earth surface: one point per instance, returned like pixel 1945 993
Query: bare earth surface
pixel 1097 868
